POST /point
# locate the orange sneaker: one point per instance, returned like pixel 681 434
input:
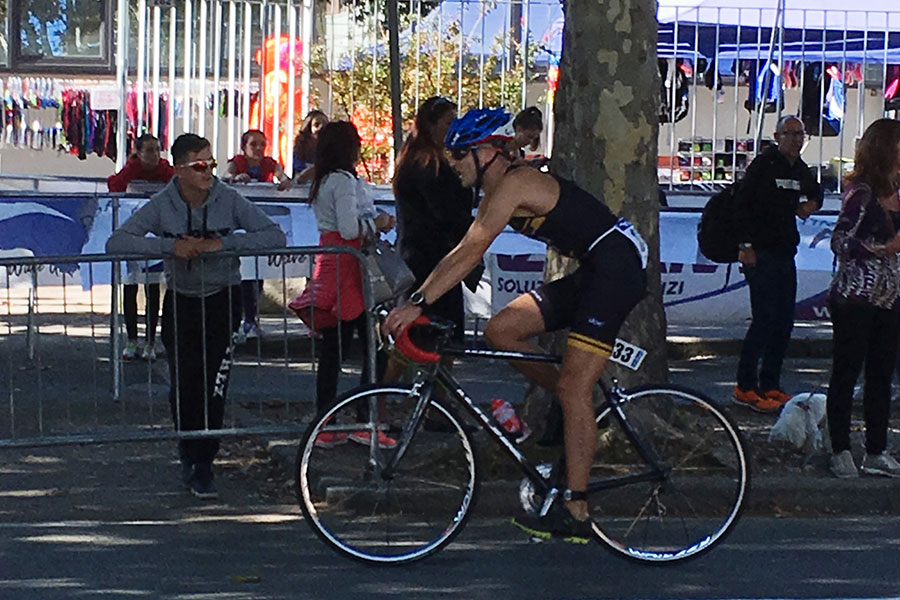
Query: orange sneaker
pixel 779 396
pixel 330 439
pixel 752 400
pixel 385 442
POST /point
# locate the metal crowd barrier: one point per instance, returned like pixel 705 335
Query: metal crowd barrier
pixel 63 380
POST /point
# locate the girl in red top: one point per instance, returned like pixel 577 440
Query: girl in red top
pixel 144 165
pixel 253 165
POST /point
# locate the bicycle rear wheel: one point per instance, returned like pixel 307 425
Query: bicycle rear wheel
pixel 695 499
pixel 364 514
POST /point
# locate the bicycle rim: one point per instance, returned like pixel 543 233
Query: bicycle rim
pixel 366 516
pixel 694 502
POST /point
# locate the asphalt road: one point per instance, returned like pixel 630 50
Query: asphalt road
pixel 113 522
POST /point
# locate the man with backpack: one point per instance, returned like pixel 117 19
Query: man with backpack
pixel 766 202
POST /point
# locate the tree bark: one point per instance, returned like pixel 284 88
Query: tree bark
pixel 606 141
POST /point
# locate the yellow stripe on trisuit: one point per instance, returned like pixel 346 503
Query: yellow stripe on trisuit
pixel 582 342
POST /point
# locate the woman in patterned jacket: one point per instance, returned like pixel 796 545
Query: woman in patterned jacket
pixel 863 299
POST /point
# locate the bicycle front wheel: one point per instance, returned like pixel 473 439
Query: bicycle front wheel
pixel 670 475
pixel 379 515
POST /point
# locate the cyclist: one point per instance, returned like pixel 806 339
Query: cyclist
pixel 593 301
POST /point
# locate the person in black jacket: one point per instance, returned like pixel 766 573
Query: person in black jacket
pixel 434 210
pixel 766 202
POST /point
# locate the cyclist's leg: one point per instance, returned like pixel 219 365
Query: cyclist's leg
pixel 612 283
pixel 512 329
pixel 580 371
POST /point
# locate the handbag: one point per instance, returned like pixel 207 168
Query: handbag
pixel 389 274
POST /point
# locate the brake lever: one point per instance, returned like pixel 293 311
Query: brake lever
pixel 385 340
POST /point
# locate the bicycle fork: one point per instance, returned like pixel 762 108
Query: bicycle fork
pixel 422 389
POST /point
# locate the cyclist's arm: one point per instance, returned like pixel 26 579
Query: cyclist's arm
pixel 493 215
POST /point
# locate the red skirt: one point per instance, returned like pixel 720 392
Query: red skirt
pixel 335 277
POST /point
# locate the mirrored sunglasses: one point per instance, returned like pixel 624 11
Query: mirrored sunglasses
pixel 201 165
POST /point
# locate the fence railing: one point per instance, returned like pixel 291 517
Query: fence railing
pixel 63 379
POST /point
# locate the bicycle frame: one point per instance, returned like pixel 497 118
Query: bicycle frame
pixel 547 487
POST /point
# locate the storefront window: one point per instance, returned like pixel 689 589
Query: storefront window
pixel 57 35
pixel 62 28
pixel 4 38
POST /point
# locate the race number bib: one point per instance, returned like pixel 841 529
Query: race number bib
pixel 627 355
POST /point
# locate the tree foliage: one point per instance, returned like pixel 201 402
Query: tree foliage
pixel 362 90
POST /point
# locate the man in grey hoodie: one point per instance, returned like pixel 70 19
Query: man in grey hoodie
pixel 194 218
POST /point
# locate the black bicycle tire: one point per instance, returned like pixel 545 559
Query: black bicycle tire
pixel 459 520
pixel 737 510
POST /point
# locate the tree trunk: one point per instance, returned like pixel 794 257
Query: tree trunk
pixel 606 141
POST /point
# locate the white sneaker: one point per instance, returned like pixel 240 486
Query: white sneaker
pixel 130 351
pixel 881 464
pixel 842 465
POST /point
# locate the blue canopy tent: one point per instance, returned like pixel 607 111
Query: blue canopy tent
pixel 835 15
pixel 689 28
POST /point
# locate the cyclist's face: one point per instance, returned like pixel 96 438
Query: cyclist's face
pixel 464 166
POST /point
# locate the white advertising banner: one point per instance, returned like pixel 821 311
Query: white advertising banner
pixel 512 276
pixel 695 291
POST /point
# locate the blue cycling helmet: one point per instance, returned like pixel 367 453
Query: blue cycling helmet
pixel 480 126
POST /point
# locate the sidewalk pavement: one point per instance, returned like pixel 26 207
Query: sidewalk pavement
pixel 811 339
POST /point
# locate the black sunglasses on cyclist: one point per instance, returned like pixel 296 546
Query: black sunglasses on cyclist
pixel 459 153
pixel 201 165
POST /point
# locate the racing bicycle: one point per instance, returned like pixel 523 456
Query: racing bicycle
pixel 667 484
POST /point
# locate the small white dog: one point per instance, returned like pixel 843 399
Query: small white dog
pixel 799 422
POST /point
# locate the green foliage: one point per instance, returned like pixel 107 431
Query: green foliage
pixel 363 90
pixel 363 10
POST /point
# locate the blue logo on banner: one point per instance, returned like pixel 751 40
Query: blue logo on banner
pixel 46 227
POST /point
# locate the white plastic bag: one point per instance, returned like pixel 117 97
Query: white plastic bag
pixel 799 422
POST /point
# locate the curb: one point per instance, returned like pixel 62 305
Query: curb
pixel 687 347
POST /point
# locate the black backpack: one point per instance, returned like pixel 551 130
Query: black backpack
pixel 717 232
